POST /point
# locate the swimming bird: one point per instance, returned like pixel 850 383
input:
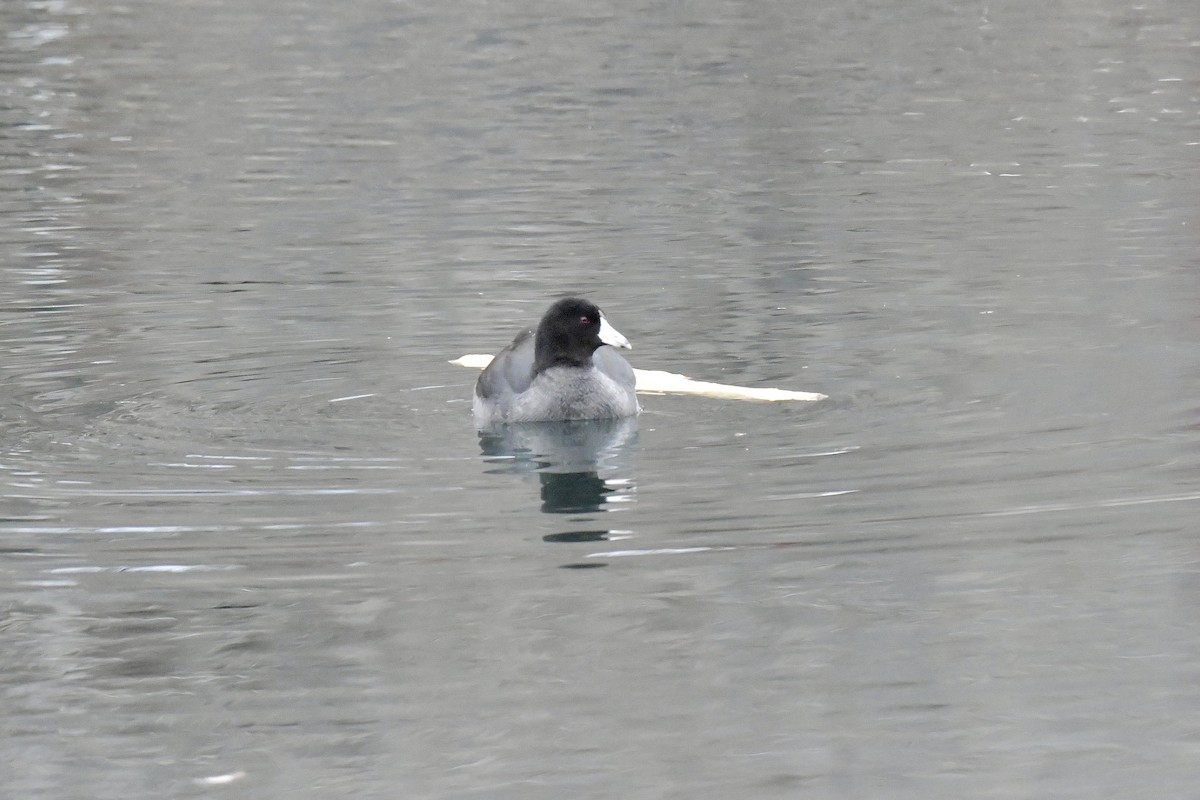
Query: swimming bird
pixel 560 371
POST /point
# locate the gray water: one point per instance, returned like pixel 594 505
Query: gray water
pixel 252 545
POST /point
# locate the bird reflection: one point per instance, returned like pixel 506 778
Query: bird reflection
pixel 568 457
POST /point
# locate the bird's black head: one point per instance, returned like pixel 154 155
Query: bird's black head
pixel 570 331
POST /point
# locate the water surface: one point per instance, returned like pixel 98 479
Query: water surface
pixel 252 544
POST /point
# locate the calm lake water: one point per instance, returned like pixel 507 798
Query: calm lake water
pixel 252 546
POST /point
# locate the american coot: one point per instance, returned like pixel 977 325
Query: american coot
pixel 560 371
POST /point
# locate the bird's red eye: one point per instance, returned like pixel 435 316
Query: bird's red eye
pixel 584 320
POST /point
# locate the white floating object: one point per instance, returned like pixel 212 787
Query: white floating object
pixel 653 381
pixel 473 360
pixel 221 780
